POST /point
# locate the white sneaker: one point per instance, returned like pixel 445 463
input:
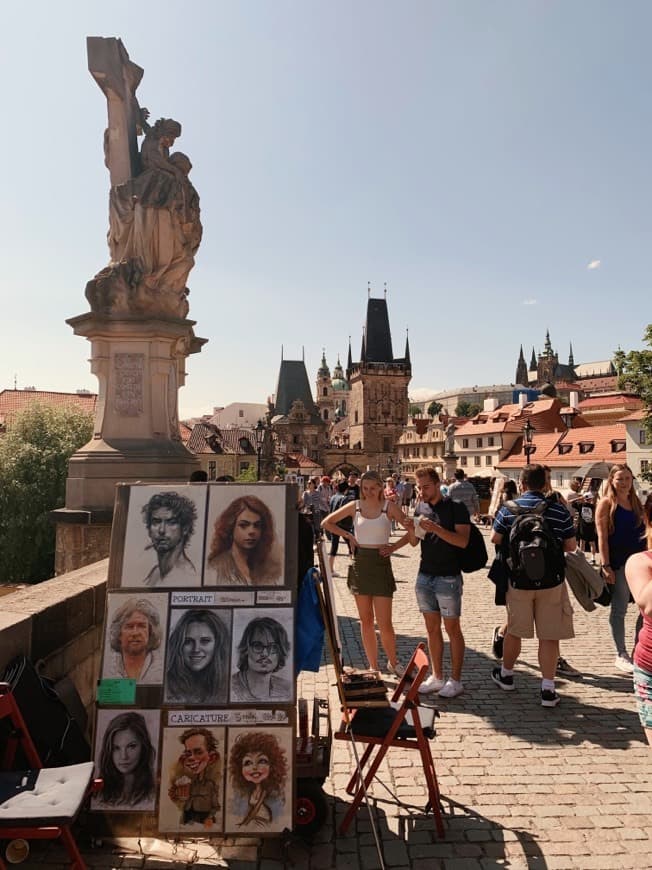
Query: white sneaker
pixel 451 689
pixel 431 684
pixel 624 663
pixel 397 669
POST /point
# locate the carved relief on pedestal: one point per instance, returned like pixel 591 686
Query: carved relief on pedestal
pixel 128 369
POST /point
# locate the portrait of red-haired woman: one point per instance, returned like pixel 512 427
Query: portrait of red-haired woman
pixel 244 550
pixel 258 775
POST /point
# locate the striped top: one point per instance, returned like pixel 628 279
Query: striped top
pixel 560 520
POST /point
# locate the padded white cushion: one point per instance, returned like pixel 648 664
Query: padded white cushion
pixel 55 799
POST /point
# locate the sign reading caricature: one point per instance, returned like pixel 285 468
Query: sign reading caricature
pixel 245 536
pixel 164 539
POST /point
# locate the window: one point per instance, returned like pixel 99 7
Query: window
pixel 617 445
pixel 465 442
pixel 387 444
pixel 564 448
pixel 240 413
pixel 478 442
pixel 418 453
pixel 356 416
pixel 476 460
pixel 463 460
pixel 487 460
pixel 586 446
pixel 645 466
pixel 212 469
pixel 325 391
pixel 295 439
pixel 325 413
pixel 641 436
pixel 490 441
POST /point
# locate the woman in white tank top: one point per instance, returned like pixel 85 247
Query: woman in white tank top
pixel 370 576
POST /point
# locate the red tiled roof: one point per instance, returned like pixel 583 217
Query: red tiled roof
pixel 610 401
pixel 510 418
pixel 641 414
pixel 547 451
pixel 206 438
pixel 13 401
pixel 300 460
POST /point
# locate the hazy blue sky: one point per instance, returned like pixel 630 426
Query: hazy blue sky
pixel 476 156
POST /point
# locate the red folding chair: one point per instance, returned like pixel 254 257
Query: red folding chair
pixel 40 803
pixel 408 726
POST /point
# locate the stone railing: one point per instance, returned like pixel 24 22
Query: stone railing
pixel 58 625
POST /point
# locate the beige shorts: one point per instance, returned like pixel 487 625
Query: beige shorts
pixel 549 610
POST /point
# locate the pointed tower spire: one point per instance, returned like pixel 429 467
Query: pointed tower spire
pixel 521 370
pixel 349 361
pixel 368 289
pixel 571 361
pixel 533 361
pixel 407 345
pixel 363 349
pixel 385 289
pixel 547 348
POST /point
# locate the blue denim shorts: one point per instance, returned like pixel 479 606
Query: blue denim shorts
pixel 440 595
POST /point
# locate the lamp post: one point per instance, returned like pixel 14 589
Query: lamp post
pixel 528 434
pixel 259 434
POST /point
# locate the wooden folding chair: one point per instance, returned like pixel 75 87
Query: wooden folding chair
pixel 406 725
pixel 40 803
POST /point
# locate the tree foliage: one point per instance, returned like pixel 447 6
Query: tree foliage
pixel 248 475
pixel 34 456
pixel 635 376
pixel 434 408
pixel 467 409
pixel 414 410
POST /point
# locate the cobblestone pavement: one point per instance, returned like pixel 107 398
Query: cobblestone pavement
pixel 524 786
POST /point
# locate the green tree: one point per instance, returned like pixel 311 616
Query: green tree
pixel 414 410
pixel 636 377
pixel 248 475
pixel 467 409
pixel 434 408
pixel 34 456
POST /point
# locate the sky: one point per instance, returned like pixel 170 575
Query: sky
pixel 490 162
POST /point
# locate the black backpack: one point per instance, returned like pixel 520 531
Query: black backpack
pixel 474 555
pixel 535 556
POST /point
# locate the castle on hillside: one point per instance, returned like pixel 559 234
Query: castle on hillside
pixel 545 370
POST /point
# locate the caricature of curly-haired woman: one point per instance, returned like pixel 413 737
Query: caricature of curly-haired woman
pixel 258 768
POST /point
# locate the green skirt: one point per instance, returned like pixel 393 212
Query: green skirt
pixel 371 574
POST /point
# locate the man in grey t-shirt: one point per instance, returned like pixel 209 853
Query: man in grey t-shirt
pixel 464 491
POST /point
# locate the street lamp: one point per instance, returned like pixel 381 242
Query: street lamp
pixel 528 434
pixel 259 434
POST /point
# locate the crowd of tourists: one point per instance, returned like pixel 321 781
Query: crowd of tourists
pixel 605 520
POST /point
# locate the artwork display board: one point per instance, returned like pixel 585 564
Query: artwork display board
pixel 196 698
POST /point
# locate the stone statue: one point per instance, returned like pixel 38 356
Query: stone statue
pixel 154 223
pixel 450 438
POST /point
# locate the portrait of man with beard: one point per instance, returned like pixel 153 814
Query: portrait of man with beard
pixel 134 638
pixel 170 520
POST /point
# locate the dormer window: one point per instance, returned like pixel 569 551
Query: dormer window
pixel 617 445
pixel 564 449
pixel 586 446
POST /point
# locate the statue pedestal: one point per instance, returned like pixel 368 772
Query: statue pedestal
pixel 449 464
pixel 140 365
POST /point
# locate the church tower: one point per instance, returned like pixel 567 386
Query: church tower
pixel 547 364
pixel 378 403
pixel 324 391
pixel 521 370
